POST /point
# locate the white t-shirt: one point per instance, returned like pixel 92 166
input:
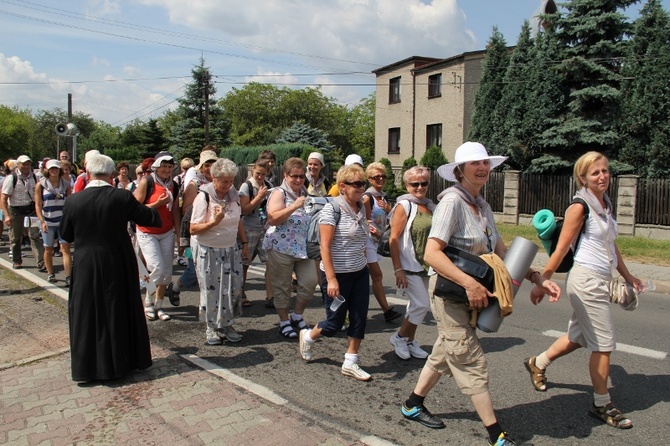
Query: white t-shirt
pixel 223 235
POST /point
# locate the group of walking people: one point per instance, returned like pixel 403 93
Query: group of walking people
pixel 227 228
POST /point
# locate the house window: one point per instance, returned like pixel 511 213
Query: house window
pixel 435 86
pixel 394 90
pixel 394 140
pixel 434 135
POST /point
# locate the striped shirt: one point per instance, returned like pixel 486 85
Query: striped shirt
pixel 53 200
pixel 347 253
pixel 456 224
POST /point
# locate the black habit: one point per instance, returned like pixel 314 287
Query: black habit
pixel 108 331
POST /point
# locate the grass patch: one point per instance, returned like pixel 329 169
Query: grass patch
pixel 633 249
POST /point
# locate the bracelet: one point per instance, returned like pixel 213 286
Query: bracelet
pixel 399 269
pixel 531 274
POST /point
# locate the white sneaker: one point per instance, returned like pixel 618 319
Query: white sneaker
pixel 304 346
pixel 230 334
pixel 416 351
pixel 213 337
pixel 400 346
pixel 356 372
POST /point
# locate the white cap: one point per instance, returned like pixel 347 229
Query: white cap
pixel 53 163
pixel 353 159
pixel 317 156
pixel 22 159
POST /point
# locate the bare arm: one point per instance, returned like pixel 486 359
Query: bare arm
pixel 398 223
pixel 39 202
pixel 278 212
pixel 326 234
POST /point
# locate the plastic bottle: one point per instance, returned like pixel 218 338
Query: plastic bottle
pixel 648 286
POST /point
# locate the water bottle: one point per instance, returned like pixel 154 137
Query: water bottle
pixel 401 293
pixel 648 286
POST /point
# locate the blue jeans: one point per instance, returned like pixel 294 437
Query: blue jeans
pixel 355 288
pixel 188 277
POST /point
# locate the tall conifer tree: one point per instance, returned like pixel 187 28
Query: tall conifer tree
pixel 646 104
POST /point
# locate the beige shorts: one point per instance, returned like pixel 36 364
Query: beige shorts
pixel 457 351
pixel 591 324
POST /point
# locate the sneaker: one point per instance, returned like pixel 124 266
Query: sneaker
pixel 51 278
pixel 213 337
pixel 391 314
pixel 356 372
pixel 304 346
pixel 173 296
pixel 416 351
pixel 503 440
pixel 230 334
pixel 181 261
pixel 423 416
pixel 400 346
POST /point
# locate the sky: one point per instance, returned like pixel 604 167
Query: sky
pixel 130 59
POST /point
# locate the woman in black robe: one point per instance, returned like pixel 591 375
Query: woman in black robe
pixel 108 331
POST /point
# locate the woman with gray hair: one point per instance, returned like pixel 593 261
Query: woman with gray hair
pixel 108 332
pixel 216 226
pixel 411 219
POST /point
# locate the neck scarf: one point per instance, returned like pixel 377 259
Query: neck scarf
pixel 358 217
pixel 62 186
pixel 167 184
pixel 315 183
pixel 593 201
pixel 289 192
pixel 425 201
pixel 478 202
pixel 374 192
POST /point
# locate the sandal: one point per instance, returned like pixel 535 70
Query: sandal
pixel 299 324
pixel 288 332
pixel 150 313
pixel 246 302
pixel 537 376
pixel 173 296
pixel 162 315
pixel 611 415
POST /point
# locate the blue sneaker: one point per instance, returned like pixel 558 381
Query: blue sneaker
pixel 503 440
pixel 423 416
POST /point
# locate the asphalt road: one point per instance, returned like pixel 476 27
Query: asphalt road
pixel 640 382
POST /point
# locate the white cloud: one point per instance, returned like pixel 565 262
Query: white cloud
pixel 373 32
pixel 269 77
pixel 131 71
pixel 100 61
pixel 103 8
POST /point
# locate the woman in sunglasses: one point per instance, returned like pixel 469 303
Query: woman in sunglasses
pixel 410 224
pixel 285 244
pixel 345 271
pixel 377 208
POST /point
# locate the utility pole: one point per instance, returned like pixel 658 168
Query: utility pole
pixel 206 112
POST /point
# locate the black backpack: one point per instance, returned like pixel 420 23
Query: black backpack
pixel 384 247
pixel 569 258
pixel 313 234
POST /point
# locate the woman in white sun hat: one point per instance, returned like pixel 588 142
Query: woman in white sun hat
pixel 463 220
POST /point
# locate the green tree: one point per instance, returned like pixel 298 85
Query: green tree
pixel 300 132
pixel 48 143
pixel 646 104
pixel 201 120
pixel 592 34
pixel 16 130
pixel 433 158
pixel 105 138
pixel 511 136
pixel 486 118
pixel 362 136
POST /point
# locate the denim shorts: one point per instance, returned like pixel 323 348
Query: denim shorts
pixel 49 237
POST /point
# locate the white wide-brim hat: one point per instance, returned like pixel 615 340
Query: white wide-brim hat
pixel 466 152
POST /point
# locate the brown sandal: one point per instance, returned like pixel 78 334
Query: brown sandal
pixel 537 376
pixel 612 416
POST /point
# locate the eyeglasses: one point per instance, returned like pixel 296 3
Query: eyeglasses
pixel 356 184
pixel 416 185
pixel 378 177
pixel 297 177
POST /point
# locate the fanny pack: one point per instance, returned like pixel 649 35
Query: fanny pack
pixel 25 210
pixel 471 265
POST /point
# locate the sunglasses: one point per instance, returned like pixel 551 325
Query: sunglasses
pixel 378 177
pixel 422 184
pixel 356 184
pixel 297 177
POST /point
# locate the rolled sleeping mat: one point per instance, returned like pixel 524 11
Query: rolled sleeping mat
pixel 544 223
pixel 518 260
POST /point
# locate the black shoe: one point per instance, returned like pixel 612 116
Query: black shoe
pixel 270 303
pixel 391 314
pixel 173 296
pixel 423 416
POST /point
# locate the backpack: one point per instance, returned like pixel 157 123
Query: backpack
pixel 314 207
pixel 384 247
pixel 569 258
pixel 185 228
pixel 15 178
